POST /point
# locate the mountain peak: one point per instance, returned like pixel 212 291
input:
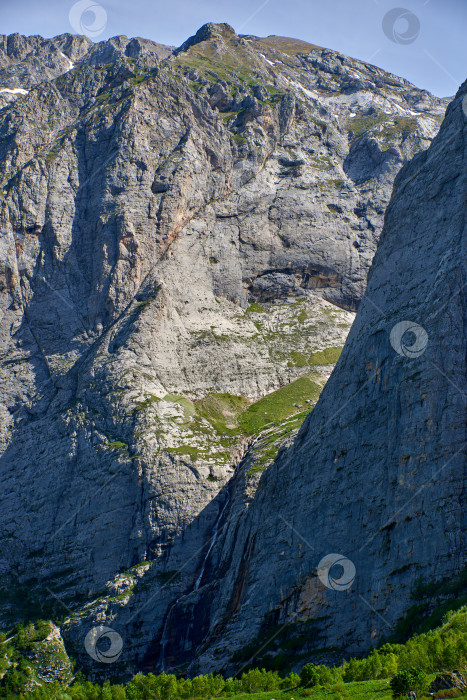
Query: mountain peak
pixel 209 31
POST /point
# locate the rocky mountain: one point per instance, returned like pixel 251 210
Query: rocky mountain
pixel 377 472
pixel 27 61
pixel 370 499
pixel 185 237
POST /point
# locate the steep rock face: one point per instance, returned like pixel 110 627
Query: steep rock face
pixel 28 61
pixel 345 128
pixel 377 473
pixel 144 204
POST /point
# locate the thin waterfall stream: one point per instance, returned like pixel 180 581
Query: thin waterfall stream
pixel 215 533
pixel 214 537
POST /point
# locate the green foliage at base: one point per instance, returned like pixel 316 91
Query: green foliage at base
pixel 390 671
pixel 32 656
pixel 316 675
pixel 406 681
pixel 29 655
pixel 434 600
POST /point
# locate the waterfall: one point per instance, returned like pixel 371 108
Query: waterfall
pixel 165 637
pixel 214 537
pixel 215 533
pixel 165 631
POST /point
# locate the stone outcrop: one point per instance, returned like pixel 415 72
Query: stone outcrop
pixel 446 681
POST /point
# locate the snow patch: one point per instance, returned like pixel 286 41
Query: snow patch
pixel 309 93
pixel 267 60
pixel 15 91
pixel 71 65
pixel 405 111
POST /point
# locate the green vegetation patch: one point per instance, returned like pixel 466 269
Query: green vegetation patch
pixel 266 450
pixel 227 116
pixel 103 97
pixel 279 405
pixel 322 163
pixel 118 445
pixel 188 406
pixel 142 76
pixel 393 126
pixel 27 657
pixel 255 309
pixel 400 126
pixel 298 359
pixel 188 450
pixel 230 66
pixel 51 156
pixel 337 183
pixel 387 673
pixel 141 305
pixel 286 45
pixel 435 599
pixel 142 405
pixel 221 410
pixel 329 356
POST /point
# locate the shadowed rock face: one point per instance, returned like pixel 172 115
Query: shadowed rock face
pixel 146 200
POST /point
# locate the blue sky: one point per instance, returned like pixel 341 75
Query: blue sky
pixel 430 50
